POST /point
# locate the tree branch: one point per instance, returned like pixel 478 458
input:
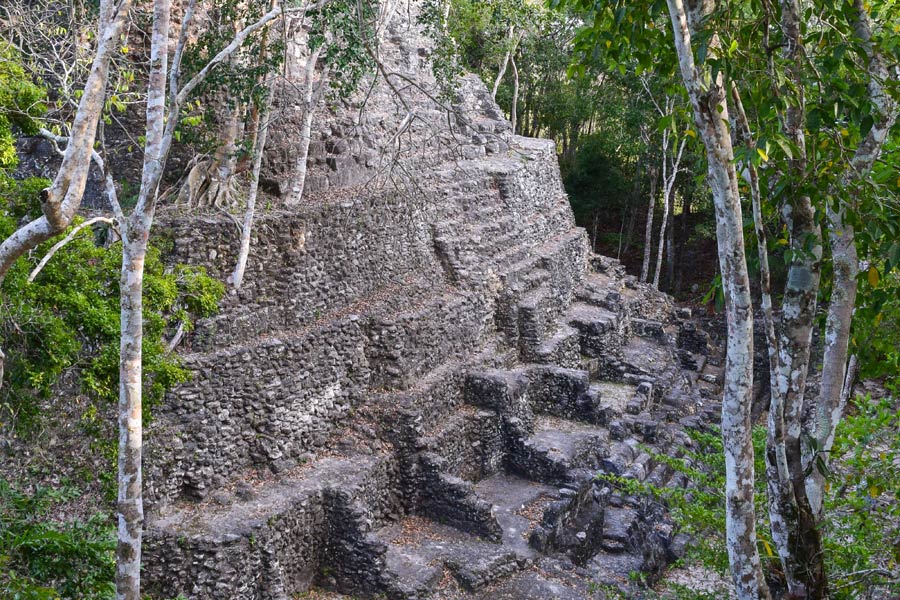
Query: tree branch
pixel 58 245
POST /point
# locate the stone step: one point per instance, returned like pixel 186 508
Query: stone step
pixel 559 450
pixel 518 261
pixel 539 584
pixel 612 399
pixel 417 338
pixel 519 505
pixel 453 501
pixel 419 550
pixel 562 348
pixel 619 525
pixel 408 575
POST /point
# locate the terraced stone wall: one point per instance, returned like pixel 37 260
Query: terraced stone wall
pixel 348 299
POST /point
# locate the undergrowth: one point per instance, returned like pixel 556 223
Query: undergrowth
pixel 68 318
pixel 42 559
pixel 862 514
pixel 60 335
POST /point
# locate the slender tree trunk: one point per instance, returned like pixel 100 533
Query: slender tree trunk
pixel 310 100
pixel 631 210
pixel 622 231
pixel 669 176
pixel 662 237
pixel 63 197
pixel 710 107
pixel 670 248
pixel 807 579
pixel 504 63
pixel 136 233
pixel 782 506
pixel 685 228
pixel 237 278
pixel 648 230
pixel 130 503
pixel 629 231
pixel 259 134
pixel 515 99
pixel 837 376
pixel 837 342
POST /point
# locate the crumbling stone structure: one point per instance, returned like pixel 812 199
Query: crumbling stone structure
pixel 415 388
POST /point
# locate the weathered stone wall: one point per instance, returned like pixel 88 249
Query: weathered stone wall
pixel 343 299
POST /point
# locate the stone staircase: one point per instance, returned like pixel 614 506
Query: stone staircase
pixel 477 479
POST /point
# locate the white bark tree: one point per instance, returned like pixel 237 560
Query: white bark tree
pixel 835 368
pixel 237 277
pixel 710 106
pixel 312 95
pixel 651 207
pixel 61 201
pixel 513 42
pixel 671 168
pixel 514 107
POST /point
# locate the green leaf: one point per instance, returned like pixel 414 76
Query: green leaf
pixel 874 276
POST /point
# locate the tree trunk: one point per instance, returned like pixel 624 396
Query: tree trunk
pixel 136 234
pixel 837 376
pixel 782 506
pixel 708 98
pixel 648 230
pixel 503 64
pixel 63 197
pixel 807 578
pixel 670 172
pixel 222 169
pixel 670 248
pixel 310 100
pixel 662 238
pixel 685 229
pixel 130 498
pixel 515 99
pixel 237 278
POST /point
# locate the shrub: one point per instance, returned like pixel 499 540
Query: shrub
pixel 68 318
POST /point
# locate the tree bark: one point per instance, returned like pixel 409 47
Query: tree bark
pixel 515 99
pixel 63 197
pixel 806 574
pixel 504 64
pixel 670 173
pixel 648 230
pixel 310 100
pixel 782 505
pixel 670 248
pixel 708 98
pixel 135 235
pixel 222 168
pixel 237 278
pixel 835 371
pixel 685 229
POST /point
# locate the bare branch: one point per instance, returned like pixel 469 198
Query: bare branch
pixel 58 245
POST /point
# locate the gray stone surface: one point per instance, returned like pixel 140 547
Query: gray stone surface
pixel 417 380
